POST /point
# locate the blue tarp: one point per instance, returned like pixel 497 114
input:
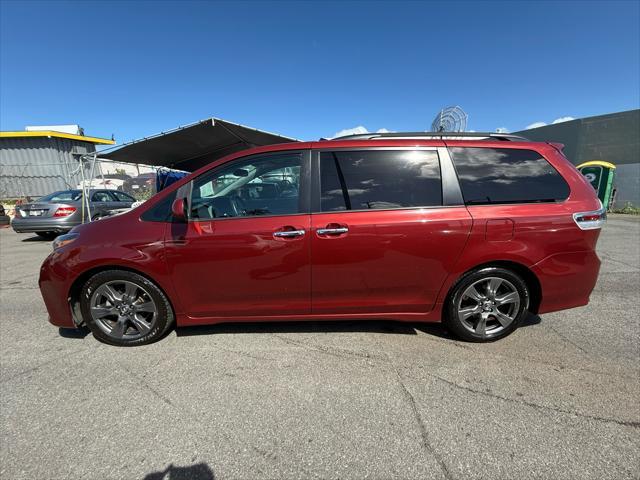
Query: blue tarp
pixel 164 178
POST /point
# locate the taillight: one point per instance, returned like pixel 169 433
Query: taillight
pixel 591 220
pixel 64 211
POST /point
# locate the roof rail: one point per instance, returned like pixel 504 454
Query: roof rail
pixel 506 137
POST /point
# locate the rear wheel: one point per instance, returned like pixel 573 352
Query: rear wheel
pixel 125 309
pixel 487 304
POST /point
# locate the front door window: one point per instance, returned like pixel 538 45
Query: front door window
pixel 257 186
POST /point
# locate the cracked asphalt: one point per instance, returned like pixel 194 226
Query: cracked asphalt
pixel 560 398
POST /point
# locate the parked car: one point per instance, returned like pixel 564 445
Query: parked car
pixel 4 218
pixel 476 230
pixel 110 181
pixel 145 182
pixel 59 212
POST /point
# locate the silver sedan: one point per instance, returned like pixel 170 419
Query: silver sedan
pixel 59 212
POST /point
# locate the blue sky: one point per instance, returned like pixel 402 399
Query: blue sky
pixel 312 69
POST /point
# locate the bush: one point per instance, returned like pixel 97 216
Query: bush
pixel 143 194
pixel 628 209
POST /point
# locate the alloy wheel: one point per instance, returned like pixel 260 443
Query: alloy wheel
pixel 123 310
pixel 488 306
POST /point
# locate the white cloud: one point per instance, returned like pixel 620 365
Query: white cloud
pixel 357 130
pixel 502 130
pixel 542 124
pixel 351 131
pixel 563 119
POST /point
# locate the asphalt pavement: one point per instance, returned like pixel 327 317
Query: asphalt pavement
pixel 560 398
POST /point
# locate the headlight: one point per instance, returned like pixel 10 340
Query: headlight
pixel 63 240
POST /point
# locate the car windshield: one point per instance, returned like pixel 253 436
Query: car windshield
pixel 63 196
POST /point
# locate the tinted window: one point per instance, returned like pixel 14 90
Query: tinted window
pixel 64 196
pixel 259 185
pixel 161 212
pixel 101 197
pixel 503 175
pixel 122 197
pixel 379 179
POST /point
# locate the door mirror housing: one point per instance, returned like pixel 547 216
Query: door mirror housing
pixel 179 209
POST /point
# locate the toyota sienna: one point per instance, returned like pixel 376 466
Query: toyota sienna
pixel 475 230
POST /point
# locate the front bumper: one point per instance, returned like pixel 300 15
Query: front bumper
pixel 34 225
pixel 55 283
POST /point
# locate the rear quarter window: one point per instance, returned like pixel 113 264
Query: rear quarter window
pixel 505 175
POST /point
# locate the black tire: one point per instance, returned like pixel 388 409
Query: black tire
pixel 162 318
pixel 47 235
pixel 460 304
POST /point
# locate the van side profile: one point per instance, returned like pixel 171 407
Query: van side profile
pixel 475 230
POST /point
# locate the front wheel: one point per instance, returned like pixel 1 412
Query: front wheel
pixel 47 235
pixel 487 304
pixel 125 309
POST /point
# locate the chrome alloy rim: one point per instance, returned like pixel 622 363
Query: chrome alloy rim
pixel 123 310
pixel 488 306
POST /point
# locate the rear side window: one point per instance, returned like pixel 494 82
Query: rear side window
pixel 122 197
pixel 504 175
pixel 102 197
pixel 379 179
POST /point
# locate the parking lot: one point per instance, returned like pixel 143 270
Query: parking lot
pixel 560 398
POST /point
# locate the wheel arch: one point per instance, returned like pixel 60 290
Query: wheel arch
pixel 529 277
pixel 76 288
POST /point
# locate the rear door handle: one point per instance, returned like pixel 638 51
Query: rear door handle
pixel 289 233
pixel 332 231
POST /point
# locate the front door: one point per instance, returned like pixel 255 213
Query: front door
pixel 245 251
pixel 382 240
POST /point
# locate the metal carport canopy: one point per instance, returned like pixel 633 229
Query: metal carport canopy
pixel 192 146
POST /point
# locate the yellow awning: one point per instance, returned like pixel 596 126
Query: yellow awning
pixel 51 133
pixel 599 163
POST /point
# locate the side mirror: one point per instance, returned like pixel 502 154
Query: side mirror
pixel 179 209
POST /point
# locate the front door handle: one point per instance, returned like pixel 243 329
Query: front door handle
pixel 332 231
pixel 289 233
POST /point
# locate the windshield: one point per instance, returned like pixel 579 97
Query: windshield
pixel 63 196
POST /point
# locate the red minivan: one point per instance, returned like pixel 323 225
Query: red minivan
pixel 472 229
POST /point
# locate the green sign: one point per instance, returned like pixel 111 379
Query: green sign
pixel 594 175
pixel 601 178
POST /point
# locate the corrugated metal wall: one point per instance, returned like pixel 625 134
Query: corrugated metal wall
pixel 36 166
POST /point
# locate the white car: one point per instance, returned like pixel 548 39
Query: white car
pixel 112 181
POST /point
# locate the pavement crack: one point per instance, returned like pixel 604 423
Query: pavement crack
pixel 38 366
pixel 334 351
pixel 144 383
pixel 241 353
pixel 426 444
pixel 18 288
pixel 609 258
pixel 424 433
pixel 569 341
pixel 623 423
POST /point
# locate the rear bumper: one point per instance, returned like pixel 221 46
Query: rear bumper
pixel 33 225
pixel 567 279
pixel 55 282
